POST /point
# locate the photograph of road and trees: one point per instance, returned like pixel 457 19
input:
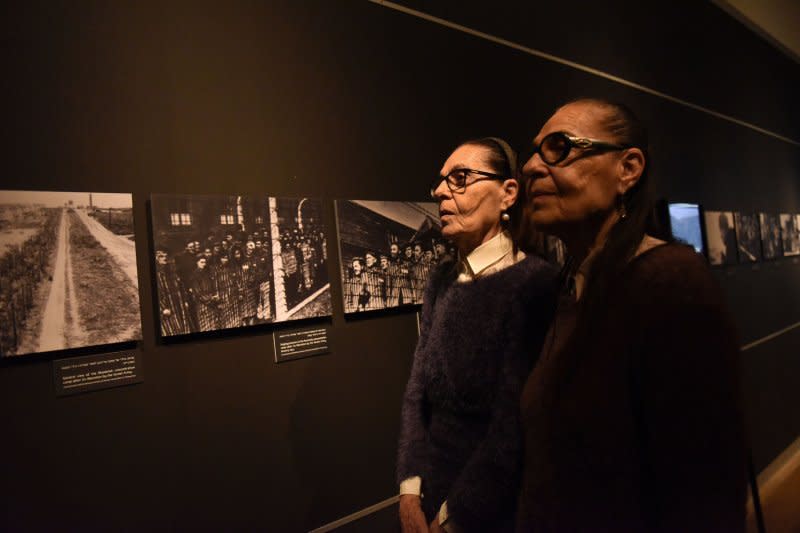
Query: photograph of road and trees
pixel 67 271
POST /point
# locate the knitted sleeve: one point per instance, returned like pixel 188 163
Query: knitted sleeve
pixel 485 492
pixel 686 397
pixel 411 450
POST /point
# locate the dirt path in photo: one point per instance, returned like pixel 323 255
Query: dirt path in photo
pixel 123 250
pixel 107 299
pixel 60 324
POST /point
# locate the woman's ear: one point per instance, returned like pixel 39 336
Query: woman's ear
pixel 510 192
pixel 631 166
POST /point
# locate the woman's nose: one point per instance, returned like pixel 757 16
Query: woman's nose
pixel 534 167
pixel 441 191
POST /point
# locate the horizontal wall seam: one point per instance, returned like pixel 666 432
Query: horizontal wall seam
pixel 578 66
pixel 770 337
pixel 394 499
pixel 355 516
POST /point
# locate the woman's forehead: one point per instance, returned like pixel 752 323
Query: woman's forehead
pixel 466 156
pixel 579 118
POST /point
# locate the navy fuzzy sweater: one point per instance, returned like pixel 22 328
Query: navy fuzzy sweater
pixel 460 418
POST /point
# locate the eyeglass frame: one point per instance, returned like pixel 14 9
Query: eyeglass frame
pixel 584 143
pixel 460 189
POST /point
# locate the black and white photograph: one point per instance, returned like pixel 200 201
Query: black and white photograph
pixel 67 271
pixel 225 261
pixel 771 245
pixel 721 238
pixel 388 250
pixel 790 232
pixel 686 226
pixel 748 237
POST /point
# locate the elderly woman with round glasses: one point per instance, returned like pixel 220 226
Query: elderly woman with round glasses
pixel 460 448
pixel 631 417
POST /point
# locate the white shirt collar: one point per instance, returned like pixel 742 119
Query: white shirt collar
pixel 488 254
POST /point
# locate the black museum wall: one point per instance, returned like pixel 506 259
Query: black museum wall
pixel 354 100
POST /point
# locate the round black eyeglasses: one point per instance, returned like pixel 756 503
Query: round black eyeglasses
pixel 556 146
pixel 458 179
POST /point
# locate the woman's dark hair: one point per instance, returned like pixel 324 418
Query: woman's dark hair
pixel 502 159
pixel 624 238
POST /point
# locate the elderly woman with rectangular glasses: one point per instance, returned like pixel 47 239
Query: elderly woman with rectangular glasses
pixel 460 449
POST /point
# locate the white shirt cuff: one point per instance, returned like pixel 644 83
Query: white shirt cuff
pixel 412 485
pixel 443 513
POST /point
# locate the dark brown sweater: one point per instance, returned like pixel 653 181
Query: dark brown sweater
pixel 637 427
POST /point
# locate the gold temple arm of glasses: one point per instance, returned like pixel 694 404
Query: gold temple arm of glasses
pixel 581 142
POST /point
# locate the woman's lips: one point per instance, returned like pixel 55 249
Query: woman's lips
pixel 541 194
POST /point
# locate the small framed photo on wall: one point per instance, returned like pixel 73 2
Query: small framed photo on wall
pixel 771 245
pixel 748 236
pixel 685 222
pixel 721 237
pixel 790 233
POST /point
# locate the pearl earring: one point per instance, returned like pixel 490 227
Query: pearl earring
pixel 505 217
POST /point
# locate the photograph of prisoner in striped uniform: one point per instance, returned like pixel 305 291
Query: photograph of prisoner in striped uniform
pixel 67 271
pixel 388 250
pixel 227 261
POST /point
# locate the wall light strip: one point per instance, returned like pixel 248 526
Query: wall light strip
pixel 770 337
pixel 355 516
pixel 577 66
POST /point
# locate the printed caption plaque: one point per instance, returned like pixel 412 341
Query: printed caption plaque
pixel 75 375
pixel 299 343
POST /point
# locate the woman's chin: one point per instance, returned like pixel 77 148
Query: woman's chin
pixel 450 232
pixel 543 220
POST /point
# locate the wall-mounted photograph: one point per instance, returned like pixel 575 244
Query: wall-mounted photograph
pixel 225 261
pixel 686 225
pixel 388 250
pixel 771 245
pixel 790 232
pixel 748 237
pixel 721 238
pixel 67 271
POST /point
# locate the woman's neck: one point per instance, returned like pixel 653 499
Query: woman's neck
pixel 467 245
pixel 588 238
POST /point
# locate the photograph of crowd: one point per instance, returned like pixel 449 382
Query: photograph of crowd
pixel 748 235
pixel 771 245
pixel 721 238
pixel 67 271
pixel 387 250
pixel 685 223
pixel 225 261
pixel 790 231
